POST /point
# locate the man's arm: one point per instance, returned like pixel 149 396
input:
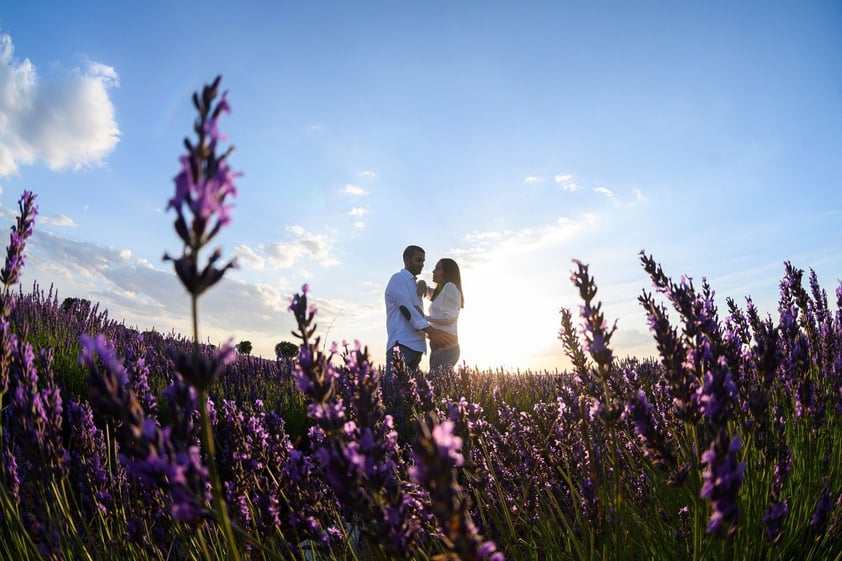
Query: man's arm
pixel 441 338
pixel 403 294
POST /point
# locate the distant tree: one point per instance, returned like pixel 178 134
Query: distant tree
pixel 285 349
pixel 244 347
pixel 77 305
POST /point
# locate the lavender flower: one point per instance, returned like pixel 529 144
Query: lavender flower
pixel 147 450
pixel 595 328
pixel 717 395
pixel 572 348
pixel 357 445
pixel 314 373
pixel 773 519
pixel 824 506
pixel 200 371
pixel 10 275
pixel 203 187
pixel 21 231
pixel 437 456
pixel 723 478
pixel 11 476
pixel 88 451
pixel 681 383
pixel 655 444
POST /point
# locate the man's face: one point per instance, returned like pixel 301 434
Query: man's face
pixel 415 263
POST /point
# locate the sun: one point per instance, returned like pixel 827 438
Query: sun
pixel 504 328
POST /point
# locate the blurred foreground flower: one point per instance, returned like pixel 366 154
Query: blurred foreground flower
pixel 203 187
pixel 437 457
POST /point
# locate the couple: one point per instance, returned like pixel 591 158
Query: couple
pixel 407 326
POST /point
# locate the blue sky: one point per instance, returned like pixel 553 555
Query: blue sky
pixel 510 136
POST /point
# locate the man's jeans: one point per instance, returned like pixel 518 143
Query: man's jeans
pixel 411 358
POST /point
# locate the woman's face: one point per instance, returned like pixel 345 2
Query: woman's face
pixel 438 273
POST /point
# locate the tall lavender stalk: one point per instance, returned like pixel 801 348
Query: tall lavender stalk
pixel 706 360
pixel 437 457
pixel 203 188
pixel 358 448
pixel 10 275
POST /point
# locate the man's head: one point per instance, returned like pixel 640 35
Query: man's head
pixel 413 259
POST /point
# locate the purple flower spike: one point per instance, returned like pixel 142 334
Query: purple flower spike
pixel 723 477
pixel 594 328
pixel 437 457
pixel 201 373
pixel 204 187
pixel 21 231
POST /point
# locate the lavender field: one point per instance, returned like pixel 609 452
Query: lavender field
pixel 120 444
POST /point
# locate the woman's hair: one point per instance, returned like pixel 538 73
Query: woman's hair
pixel 450 273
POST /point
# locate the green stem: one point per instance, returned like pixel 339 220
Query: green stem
pixel 208 443
pixel 218 499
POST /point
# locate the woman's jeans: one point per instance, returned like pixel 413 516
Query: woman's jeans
pixel 443 358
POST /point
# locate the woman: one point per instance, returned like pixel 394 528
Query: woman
pixel 445 302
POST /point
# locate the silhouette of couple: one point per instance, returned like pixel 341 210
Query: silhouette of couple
pixel 408 327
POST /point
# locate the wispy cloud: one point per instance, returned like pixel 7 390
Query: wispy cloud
pixel 358 211
pixel 352 189
pixel 59 220
pixel 565 180
pixel 532 179
pixel 480 246
pixel 367 173
pixel 604 191
pixel 65 120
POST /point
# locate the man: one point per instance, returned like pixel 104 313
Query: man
pixel 408 334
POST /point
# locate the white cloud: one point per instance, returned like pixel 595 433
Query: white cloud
pixel 57 220
pixel 248 258
pixel 352 189
pixel 66 121
pixel 604 191
pixel 532 179
pixel 367 173
pixel 563 178
pixel 357 211
pixel 359 225
pixel 306 245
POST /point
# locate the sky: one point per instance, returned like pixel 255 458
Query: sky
pixel 513 137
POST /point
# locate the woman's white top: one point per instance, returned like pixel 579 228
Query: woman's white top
pixel 444 310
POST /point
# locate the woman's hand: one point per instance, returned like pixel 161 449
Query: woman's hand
pixel 421 288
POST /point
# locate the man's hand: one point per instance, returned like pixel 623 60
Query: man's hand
pixel 405 312
pixel 442 339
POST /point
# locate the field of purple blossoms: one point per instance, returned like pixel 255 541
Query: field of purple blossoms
pixel 118 444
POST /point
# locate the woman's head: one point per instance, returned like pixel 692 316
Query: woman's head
pixel 446 271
